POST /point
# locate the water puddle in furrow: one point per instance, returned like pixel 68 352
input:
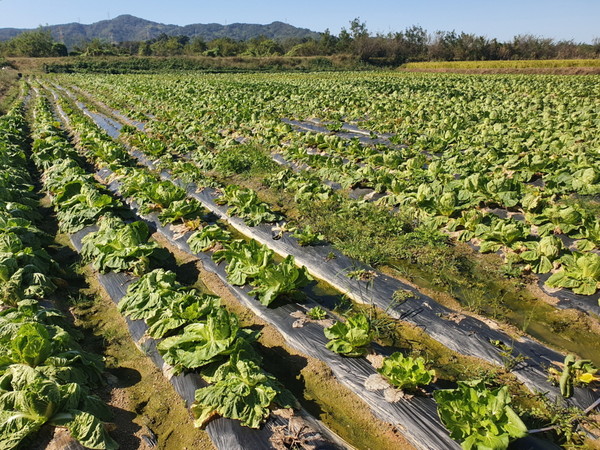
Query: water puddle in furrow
pixel 558 328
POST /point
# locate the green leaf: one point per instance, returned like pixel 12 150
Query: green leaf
pixel 208 237
pixel 89 431
pixel 203 343
pixel 32 344
pixel 479 417
pixel 241 391
pixel 277 280
pixel 350 338
pixel 406 372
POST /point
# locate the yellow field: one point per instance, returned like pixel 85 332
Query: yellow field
pixel 517 64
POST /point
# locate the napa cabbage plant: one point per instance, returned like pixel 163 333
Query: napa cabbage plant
pixel 406 372
pixel 120 246
pixel 245 203
pixel 29 400
pixel 580 272
pixel 350 338
pixel 274 281
pixel 246 260
pixel 558 219
pixel 164 304
pixel 502 233
pixel 80 204
pixel 478 417
pixel 540 254
pixel 242 391
pixel 207 238
pixel 200 344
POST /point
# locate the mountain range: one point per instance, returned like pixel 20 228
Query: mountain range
pixel 130 28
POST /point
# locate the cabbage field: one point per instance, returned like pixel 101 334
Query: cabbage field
pixel 319 260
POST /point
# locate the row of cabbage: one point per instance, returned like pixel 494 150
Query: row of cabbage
pixel 46 377
pixel 456 168
pixel 249 261
pixel 198 332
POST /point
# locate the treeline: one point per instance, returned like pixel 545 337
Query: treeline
pixel 412 44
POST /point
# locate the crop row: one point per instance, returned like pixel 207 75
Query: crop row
pixel 46 377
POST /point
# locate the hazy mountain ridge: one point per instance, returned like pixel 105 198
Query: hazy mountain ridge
pixel 130 28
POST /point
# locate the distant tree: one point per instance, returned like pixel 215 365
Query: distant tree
pixel 344 41
pixel 416 41
pixel 308 48
pixel 442 45
pixel 358 29
pixel 362 45
pixel 59 49
pixel 196 46
pixel 261 46
pixel 528 46
pixel 130 47
pixel 225 47
pixel 596 47
pixel 99 47
pixel 328 42
pixel 36 43
pixel 469 47
pixel 169 45
pixel 144 49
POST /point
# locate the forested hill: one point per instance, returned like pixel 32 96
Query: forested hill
pixel 129 28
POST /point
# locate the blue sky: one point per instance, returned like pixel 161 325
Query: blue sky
pixel 568 19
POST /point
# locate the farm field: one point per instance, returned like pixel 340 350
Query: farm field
pixel 390 260
pixel 517 64
pixel 549 66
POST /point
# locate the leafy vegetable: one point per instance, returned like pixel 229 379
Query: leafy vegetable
pixel 540 254
pixel 164 304
pixel 28 400
pixel 80 203
pixel 477 417
pixel 121 247
pixel 580 272
pixel 245 204
pixel 241 391
pixel 406 372
pixel 277 280
pixel 181 210
pixel 246 260
pixel 201 344
pixel 206 238
pixel 502 233
pixel 350 338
